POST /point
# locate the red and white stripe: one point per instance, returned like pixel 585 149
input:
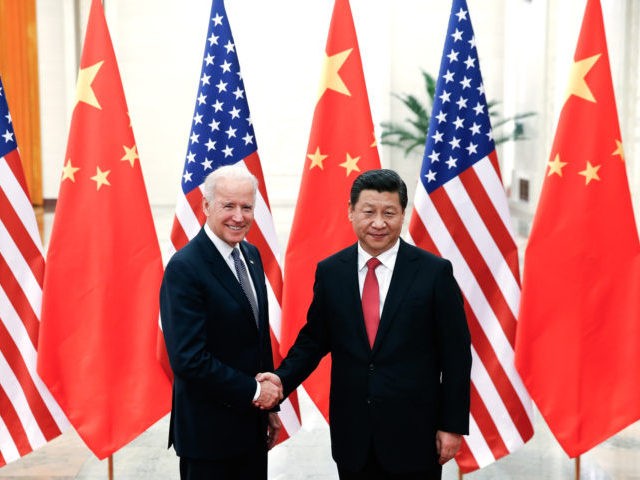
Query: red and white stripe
pixel 29 416
pixel 467 221
pixel 188 220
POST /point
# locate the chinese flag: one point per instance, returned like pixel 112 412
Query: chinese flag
pixel 103 268
pixel 578 338
pixel 341 146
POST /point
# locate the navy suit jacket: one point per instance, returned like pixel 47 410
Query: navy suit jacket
pixel 215 349
pixel 416 378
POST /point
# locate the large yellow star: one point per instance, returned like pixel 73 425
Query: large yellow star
pixel 556 166
pixel 130 154
pixel 69 172
pixel 316 159
pixel 590 173
pixel 351 164
pixel 330 77
pixel 101 178
pixel 84 91
pixel 577 84
pixel 619 150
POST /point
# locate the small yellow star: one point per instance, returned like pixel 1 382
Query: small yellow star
pixel 619 150
pixel 101 178
pixel 316 159
pixel 330 77
pixel 577 84
pixel 590 173
pixel 69 172
pixel 130 154
pixel 375 142
pixel 84 91
pixel 351 164
pixel 556 166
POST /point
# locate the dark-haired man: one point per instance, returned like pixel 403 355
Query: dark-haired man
pixel 392 317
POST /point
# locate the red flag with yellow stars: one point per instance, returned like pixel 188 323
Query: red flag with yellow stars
pixel 578 338
pixel 97 343
pixel 341 146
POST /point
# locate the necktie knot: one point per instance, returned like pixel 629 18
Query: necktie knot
pixel 373 263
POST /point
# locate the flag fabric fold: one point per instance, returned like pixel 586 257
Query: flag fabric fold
pixel 461 212
pixel 579 328
pixel 341 146
pixel 29 416
pixel 96 350
pixel 222 133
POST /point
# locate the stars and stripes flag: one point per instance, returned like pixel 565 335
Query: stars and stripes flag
pixel 29 416
pixel 461 212
pixel 222 134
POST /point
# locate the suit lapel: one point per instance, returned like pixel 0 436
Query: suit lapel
pixel 220 269
pixel 351 288
pixel 404 272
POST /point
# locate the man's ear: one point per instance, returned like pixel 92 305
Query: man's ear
pixel 205 206
pixel 350 212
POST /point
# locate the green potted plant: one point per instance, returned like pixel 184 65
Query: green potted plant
pixel 413 132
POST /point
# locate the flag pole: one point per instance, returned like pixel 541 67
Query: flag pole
pixel 460 475
pixel 577 465
pixel 110 463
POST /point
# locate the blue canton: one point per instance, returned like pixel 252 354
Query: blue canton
pixel 459 130
pixel 221 130
pixel 7 135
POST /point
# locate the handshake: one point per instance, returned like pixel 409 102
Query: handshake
pixel 270 391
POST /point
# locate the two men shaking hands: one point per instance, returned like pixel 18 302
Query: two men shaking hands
pixel 271 393
pixel 391 315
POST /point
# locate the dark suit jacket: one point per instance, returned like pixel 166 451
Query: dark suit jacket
pixel 416 378
pixel 215 350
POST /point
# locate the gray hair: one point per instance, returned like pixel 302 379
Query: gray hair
pixel 229 172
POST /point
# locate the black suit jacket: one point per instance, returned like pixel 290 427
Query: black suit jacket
pixel 416 378
pixel 215 349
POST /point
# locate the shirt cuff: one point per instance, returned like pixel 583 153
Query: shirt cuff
pixel 257 394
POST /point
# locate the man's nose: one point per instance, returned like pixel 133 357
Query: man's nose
pixel 378 221
pixel 237 214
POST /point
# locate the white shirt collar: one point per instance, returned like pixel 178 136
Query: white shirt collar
pixel 387 258
pixel 223 247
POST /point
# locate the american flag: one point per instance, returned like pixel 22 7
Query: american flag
pixel 29 416
pixel 461 212
pixel 222 134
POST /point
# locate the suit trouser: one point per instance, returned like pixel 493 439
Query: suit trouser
pixel 372 470
pixel 250 466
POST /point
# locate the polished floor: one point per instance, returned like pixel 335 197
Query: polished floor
pixel 307 456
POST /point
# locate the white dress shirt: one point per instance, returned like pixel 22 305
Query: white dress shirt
pixel 225 250
pixel 383 271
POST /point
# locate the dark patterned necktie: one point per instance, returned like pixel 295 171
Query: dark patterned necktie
pixel 243 278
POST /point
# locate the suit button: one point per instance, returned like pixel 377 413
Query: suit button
pixel 371 368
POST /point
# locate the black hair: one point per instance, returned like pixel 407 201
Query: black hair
pixel 383 180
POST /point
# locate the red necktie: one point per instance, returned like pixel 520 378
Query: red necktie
pixel 371 300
